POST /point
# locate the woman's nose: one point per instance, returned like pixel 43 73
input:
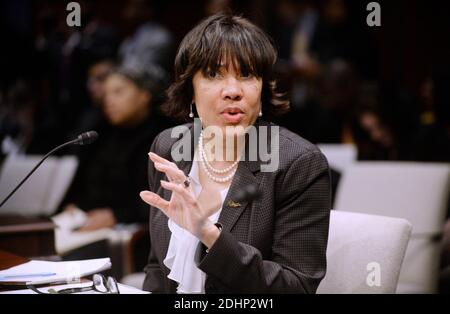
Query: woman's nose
pixel 232 89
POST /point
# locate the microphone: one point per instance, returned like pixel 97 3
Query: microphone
pixel 86 138
pixel 248 193
pixel 82 139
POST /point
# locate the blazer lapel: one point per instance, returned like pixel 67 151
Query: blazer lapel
pixel 244 176
pixel 231 208
pixel 193 132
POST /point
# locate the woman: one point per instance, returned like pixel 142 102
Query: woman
pixel 112 172
pixel 205 237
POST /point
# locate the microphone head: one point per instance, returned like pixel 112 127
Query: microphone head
pixel 87 138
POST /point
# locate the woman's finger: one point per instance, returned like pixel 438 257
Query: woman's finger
pixel 159 162
pixel 179 189
pixel 154 200
pixel 174 174
pixel 156 158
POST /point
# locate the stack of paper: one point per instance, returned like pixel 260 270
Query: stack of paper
pixel 41 272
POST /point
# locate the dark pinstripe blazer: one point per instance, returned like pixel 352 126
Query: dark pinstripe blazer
pixel 275 244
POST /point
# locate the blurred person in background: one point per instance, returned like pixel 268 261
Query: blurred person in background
pixel 298 20
pixel 326 117
pixel 373 137
pixel 18 119
pixel 432 139
pixel 23 128
pixel 97 53
pixel 108 181
pixel 92 117
pixel 324 61
pixel 97 74
pixel 62 57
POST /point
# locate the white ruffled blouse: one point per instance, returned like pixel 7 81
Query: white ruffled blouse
pixel 183 245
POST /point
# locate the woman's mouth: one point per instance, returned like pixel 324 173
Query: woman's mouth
pixel 233 115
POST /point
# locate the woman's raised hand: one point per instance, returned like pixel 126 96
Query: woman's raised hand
pixel 183 207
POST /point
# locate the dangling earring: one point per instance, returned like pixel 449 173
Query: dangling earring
pixel 191 114
pixel 260 113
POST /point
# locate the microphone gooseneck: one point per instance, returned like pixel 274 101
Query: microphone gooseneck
pixel 82 139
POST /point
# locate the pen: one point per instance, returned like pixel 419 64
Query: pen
pixel 27 275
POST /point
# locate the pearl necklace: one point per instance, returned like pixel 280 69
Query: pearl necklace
pixel 203 155
pixel 207 167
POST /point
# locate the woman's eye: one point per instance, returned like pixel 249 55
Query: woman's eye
pixel 246 75
pixel 212 74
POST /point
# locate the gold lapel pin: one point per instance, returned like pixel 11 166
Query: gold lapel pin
pixel 232 203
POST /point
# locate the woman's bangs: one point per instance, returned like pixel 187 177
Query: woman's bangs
pixel 231 52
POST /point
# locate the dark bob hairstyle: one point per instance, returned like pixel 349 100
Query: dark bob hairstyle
pixel 224 37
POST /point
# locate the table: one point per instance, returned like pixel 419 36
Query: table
pixel 26 236
pixel 8 260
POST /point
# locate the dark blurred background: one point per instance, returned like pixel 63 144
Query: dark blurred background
pixel 383 88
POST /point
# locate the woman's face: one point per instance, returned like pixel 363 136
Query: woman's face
pixel 125 103
pixel 96 81
pixel 227 98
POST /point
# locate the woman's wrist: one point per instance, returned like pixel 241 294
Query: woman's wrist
pixel 210 234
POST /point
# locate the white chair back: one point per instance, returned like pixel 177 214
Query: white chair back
pixel 417 192
pixel 339 156
pixel 364 253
